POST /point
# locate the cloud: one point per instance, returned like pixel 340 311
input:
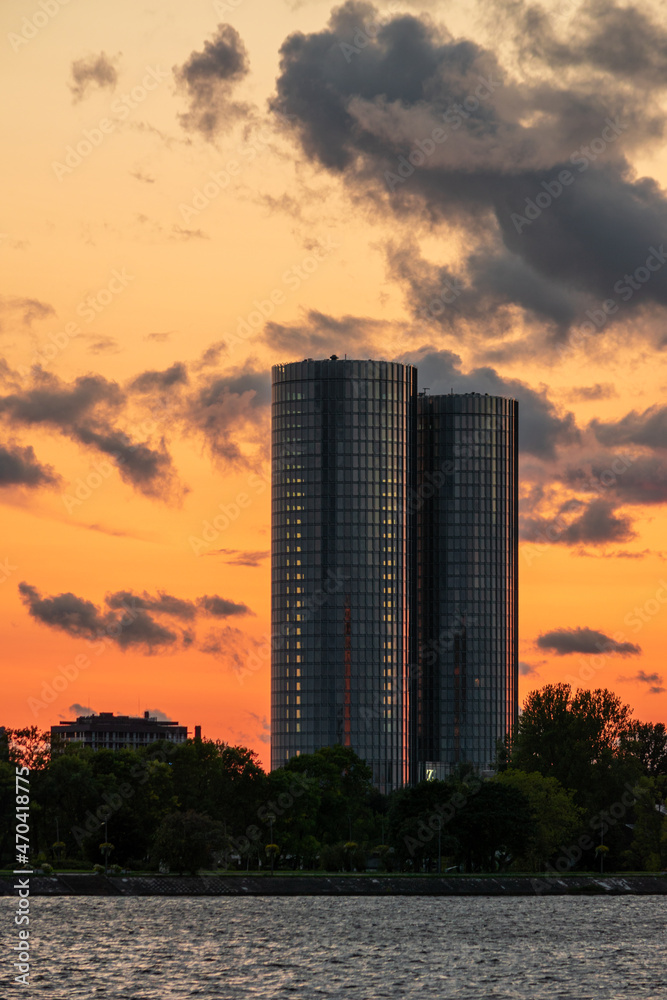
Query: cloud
pixel 565 641
pixel 229 646
pixel 87 74
pixel 77 710
pixel 621 554
pixel 648 429
pixel 27 311
pixel 160 337
pixel 129 619
pixel 160 380
pixel 621 41
pixel 654 681
pixel 542 429
pixel 630 479
pixel 321 335
pixel 102 345
pixel 160 716
pixel 265 735
pixel 19 467
pixel 139 175
pixel 207 78
pixel 585 393
pixel 164 604
pixel 238 557
pixel 369 118
pixel 222 608
pixel 527 669
pixel 598 524
pixel 83 619
pixel 85 411
pixel 228 408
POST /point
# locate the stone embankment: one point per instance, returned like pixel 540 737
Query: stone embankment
pixel 338 885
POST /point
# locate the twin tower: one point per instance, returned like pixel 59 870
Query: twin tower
pixel 394 569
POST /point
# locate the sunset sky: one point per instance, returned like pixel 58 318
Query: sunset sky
pixel 194 192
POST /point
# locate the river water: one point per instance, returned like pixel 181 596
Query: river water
pixel 270 947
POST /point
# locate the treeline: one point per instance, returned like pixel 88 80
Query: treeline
pixel 579 785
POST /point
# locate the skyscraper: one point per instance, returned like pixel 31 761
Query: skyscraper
pixel 393 569
pixel 343 546
pixel 467 501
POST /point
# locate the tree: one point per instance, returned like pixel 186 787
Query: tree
pixel 186 841
pixel 345 790
pixel 29 746
pixel 578 739
pixel 648 850
pixel 493 828
pixel 648 742
pixel 555 816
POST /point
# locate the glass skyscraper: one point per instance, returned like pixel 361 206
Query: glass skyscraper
pixel 394 534
pixel 467 496
pixel 343 560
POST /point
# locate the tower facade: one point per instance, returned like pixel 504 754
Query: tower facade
pixel 467 499
pixel 344 453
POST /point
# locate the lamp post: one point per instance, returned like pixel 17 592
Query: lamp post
pixel 439 851
pixel 271 818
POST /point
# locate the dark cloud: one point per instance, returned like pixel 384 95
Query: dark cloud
pixel 159 337
pixel 208 78
pixel 624 42
pixel 77 710
pixel 620 554
pixel 321 335
pixel 130 620
pixel 159 380
pixel 648 429
pixel 164 604
pixel 156 713
pixel 211 356
pixel 238 557
pixel 626 479
pixel 49 401
pixel 139 175
pixel 565 641
pixel 597 524
pixel 585 393
pixel 225 408
pixel 264 736
pixel 95 71
pixel 19 467
pixel 654 681
pixel 65 611
pixel 527 669
pixel 365 115
pixel 103 345
pixel 541 428
pixel 25 310
pixel 85 411
pixel 222 608
pixel 83 619
pixel 229 646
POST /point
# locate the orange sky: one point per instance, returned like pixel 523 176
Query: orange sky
pixel 173 273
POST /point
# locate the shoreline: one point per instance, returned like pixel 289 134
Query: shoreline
pixel 338 885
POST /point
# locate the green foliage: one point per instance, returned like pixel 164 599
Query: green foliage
pixel 556 818
pixel 343 781
pixel 187 841
pixel 29 746
pixel 577 768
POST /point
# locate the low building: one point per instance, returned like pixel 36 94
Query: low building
pixel 107 731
